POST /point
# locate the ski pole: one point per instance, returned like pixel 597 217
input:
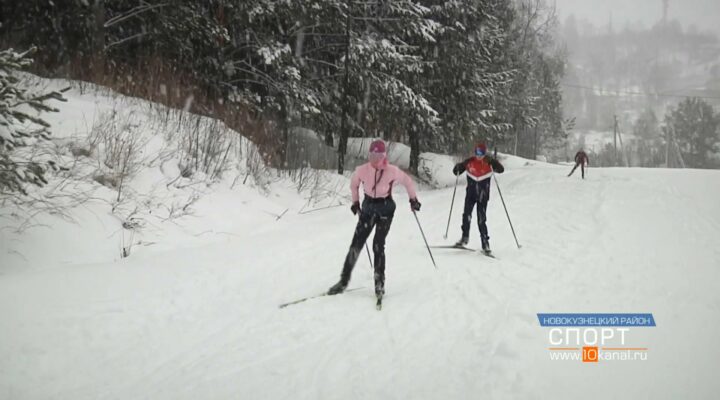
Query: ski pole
pixel 369 258
pixel 452 203
pixel 368 250
pixel 423 236
pixel 319 209
pixel 506 211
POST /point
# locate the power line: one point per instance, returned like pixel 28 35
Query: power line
pixel 624 92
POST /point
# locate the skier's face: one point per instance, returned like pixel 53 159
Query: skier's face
pixel 376 159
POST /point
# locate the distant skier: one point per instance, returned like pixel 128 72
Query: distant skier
pixel 479 170
pixel 378 208
pixel 581 160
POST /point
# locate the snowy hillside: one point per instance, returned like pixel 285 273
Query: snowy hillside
pixel 193 311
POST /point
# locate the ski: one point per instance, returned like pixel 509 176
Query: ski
pixel 452 246
pixel 488 254
pixel 314 297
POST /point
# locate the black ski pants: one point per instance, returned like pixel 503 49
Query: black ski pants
pixel 582 169
pixel 378 214
pixel 476 196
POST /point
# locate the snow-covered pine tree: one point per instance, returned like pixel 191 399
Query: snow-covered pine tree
pixel 551 130
pixel 435 73
pixel 354 59
pixel 19 128
pixel 387 62
pixel 371 61
pixel 262 67
pixel 467 74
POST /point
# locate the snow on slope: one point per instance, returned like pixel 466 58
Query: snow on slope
pixel 200 319
pixel 171 208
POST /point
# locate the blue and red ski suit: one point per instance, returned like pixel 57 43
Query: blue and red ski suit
pixel 479 170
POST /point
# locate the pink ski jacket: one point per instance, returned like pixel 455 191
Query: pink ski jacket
pixel 378 183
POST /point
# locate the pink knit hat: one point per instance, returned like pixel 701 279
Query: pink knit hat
pixel 377 146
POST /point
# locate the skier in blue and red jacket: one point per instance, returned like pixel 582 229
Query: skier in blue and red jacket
pixel 479 170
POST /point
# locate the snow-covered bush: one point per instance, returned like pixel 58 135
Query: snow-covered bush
pixel 206 147
pixel 119 142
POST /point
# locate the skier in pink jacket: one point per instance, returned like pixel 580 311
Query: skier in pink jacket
pixel 378 178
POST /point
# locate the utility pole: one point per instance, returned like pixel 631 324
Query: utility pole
pixel 667 147
pixel 622 146
pixel 615 134
pixel 677 155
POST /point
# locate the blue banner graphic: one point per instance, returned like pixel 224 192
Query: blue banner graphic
pixel 636 320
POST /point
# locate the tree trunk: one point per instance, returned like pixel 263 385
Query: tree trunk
pixel 414 150
pixel 98 41
pixel 667 148
pixel 329 139
pixel 342 145
pixel 284 133
pixel 535 143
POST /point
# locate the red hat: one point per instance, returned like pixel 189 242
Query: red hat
pixel 480 149
pixel 377 146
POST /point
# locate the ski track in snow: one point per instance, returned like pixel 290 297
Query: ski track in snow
pixel 203 321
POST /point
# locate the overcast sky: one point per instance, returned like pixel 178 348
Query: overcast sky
pixel 705 14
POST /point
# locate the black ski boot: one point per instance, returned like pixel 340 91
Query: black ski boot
pixel 486 247
pixel 337 288
pixel 379 284
pixel 462 242
pixel 379 289
pixel 379 293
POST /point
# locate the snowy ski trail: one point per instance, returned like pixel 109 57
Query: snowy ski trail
pixel 203 321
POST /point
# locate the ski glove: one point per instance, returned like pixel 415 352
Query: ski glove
pixel 458 169
pixel 495 164
pixel 415 205
pixel 355 208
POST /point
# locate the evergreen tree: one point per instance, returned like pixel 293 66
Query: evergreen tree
pixel 436 74
pixel 19 128
pixel 694 126
pixel 361 62
pixel 533 102
pixel 647 132
pixel 466 77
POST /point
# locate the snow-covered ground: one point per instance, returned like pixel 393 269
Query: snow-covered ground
pixel 193 312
